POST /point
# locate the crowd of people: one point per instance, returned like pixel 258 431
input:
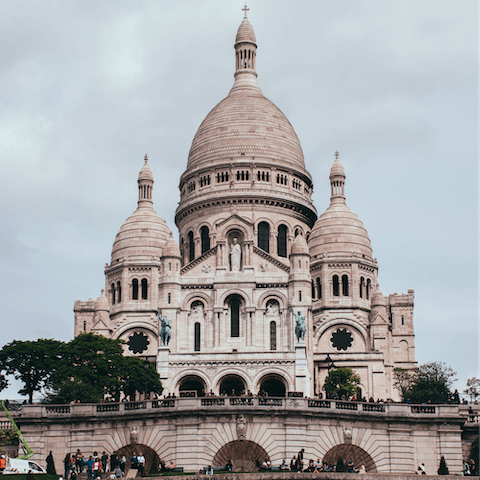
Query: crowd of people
pixel 101 466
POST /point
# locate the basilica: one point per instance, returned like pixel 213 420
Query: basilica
pixel 260 293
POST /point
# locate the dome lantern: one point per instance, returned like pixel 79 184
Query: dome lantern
pixel 145 185
pixel 337 181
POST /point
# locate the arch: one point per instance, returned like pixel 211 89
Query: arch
pixel 119 292
pixel 134 289
pixel 264 236
pixel 152 460
pixel 234 303
pixel 361 286
pixel 243 454
pixel 192 382
pixel 205 239
pixel 282 241
pixel 272 295
pixel 345 285
pixel 274 385
pixel 368 288
pixel 232 384
pixel 135 326
pixel 112 286
pixel 347 452
pixel 341 322
pixel 336 286
pixel 191 247
pixel 144 284
pixel 190 298
pixel 224 299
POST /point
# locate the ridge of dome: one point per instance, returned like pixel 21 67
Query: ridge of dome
pixel 171 248
pixel 299 246
pixel 245 33
pixel 145 172
pixel 101 303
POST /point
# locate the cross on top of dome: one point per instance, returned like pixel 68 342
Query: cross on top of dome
pixel 336 154
pixel 245 9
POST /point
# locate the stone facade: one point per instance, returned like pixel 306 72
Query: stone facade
pixel 252 257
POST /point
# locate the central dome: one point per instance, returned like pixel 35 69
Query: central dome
pixel 245 123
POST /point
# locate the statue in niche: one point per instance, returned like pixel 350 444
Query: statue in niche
pixel 272 308
pixel 197 310
pixel 235 255
pixel 134 435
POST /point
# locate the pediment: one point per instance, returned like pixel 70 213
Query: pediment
pixel 379 320
pixel 204 265
pixel 261 258
pixel 100 325
pixel 233 217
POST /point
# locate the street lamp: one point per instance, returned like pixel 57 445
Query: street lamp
pixel 329 362
pixel 146 364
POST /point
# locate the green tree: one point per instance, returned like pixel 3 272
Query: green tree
pixel 342 381
pixel 403 381
pixel 90 368
pixel 432 383
pixel 32 362
pixel 139 376
pixel 473 388
pixel 3 382
pixel 443 469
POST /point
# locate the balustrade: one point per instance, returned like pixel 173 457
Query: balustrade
pixel 129 406
pixel 58 409
pixel 423 409
pixel 273 402
pixel 108 407
pixel 320 403
pixel 166 403
pixel 213 402
pixel 241 401
pixel 373 407
pixel 346 405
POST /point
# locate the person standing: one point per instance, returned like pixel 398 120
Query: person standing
pixel 141 464
pixel 123 463
pixel 300 460
pixel 104 462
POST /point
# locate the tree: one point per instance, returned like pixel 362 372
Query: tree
pixel 342 381
pixel 443 469
pixel 432 383
pixel 473 388
pixel 3 382
pixel 90 368
pixel 403 381
pixel 139 376
pixel 32 362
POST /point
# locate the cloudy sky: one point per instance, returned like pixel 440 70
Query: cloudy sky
pixel 88 87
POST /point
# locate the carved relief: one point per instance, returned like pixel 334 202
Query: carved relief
pixel 241 427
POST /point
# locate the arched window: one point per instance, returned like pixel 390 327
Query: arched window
pixel 368 288
pixel 134 289
pixel 273 335
pixel 191 247
pixel 403 320
pixel 300 296
pixel 119 292
pixel 313 290
pixel 336 289
pixel 84 325
pixel 264 236
pixel 205 236
pixel 345 285
pixel 362 286
pixel 144 289
pixel 235 318
pixel 169 298
pixel 113 293
pixel 319 288
pixel 282 241
pixel 197 337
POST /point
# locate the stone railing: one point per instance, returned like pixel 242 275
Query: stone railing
pixel 191 404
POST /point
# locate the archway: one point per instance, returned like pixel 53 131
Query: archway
pixel 232 385
pixel 273 386
pixel 192 383
pixel 243 454
pixel 349 452
pixel 152 460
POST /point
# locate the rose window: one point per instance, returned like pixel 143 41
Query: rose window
pixel 342 339
pixel 138 342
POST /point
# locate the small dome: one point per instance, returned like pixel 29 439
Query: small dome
pixel 101 303
pixel 378 300
pixel 245 33
pixel 143 235
pixel 171 248
pixel 337 169
pixel 145 172
pixel 299 246
pixel 339 232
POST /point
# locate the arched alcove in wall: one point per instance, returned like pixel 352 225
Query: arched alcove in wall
pixel 243 454
pixel 232 385
pixel 192 382
pixel 347 452
pixel 152 459
pixel 273 385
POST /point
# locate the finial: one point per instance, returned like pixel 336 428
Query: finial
pixel 102 291
pixel 245 9
pixel 336 154
pixel 146 158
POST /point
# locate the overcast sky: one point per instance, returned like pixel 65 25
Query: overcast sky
pixel 89 87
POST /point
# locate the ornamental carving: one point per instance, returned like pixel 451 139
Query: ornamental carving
pixel 138 342
pixel 342 339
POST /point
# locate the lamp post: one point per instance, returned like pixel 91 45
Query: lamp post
pixel 146 364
